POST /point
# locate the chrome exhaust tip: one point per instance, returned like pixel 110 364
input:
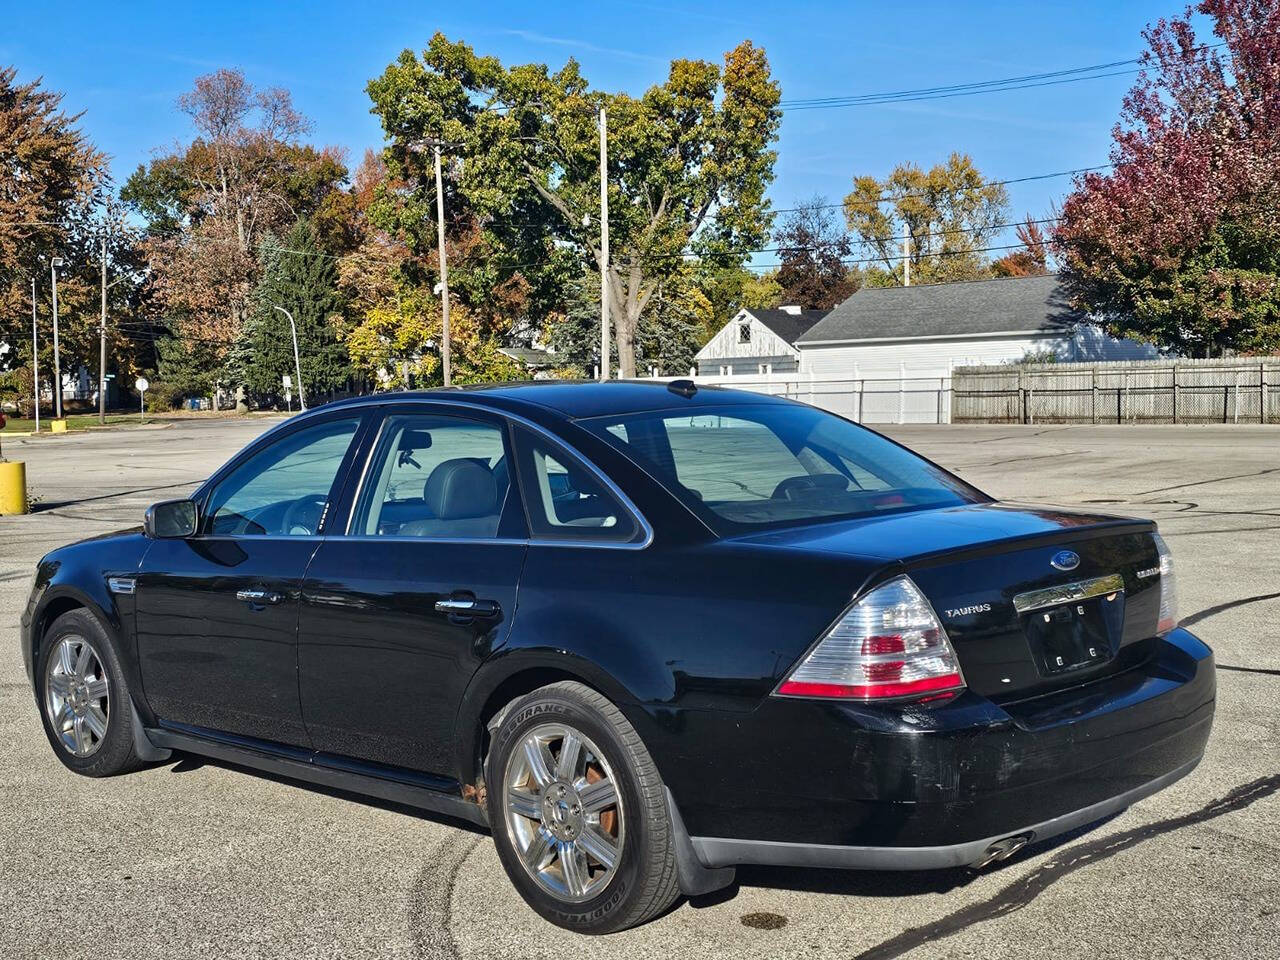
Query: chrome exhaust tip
pixel 1002 850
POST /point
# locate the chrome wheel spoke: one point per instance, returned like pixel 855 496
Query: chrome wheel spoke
pixel 539 761
pixel 83 660
pixel 80 734
pixel 60 684
pixel 570 751
pixel 96 689
pixel 573 867
pixel 596 796
pixel 66 664
pixel 538 854
pixel 62 719
pixel 600 846
pixel 97 721
pixel 525 804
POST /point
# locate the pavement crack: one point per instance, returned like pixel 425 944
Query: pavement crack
pixel 431 904
pixel 1265 671
pixel 1025 889
pixel 1200 483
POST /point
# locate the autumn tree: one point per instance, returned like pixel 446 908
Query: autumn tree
pixel 209 205
pixel 1032 260
pixel 949 214
pixel 689 163
pixel 52 185
pixel 814 248
pixel 1179 244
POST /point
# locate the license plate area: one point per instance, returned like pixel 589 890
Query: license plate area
pixel 1073 626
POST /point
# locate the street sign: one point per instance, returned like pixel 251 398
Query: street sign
pixel 141 385
pixel 287 380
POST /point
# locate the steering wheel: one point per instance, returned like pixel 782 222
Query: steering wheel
pixel 302 518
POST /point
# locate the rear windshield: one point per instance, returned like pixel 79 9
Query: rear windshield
pixel 747 467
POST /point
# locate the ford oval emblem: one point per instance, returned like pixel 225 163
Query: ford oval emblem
pixel 1065 560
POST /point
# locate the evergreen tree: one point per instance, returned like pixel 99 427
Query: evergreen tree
pixel 296 276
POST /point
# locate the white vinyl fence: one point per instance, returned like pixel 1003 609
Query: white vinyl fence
pixel 866 400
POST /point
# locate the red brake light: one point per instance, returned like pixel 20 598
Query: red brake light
pixel 888 644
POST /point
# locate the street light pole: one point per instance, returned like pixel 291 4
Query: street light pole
pixel 297 364
pixel 54 264
pixel 604 247
pixel 445 358
pixel 35 356
pixel 102 342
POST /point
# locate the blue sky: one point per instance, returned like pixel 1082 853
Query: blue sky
pixel 124 65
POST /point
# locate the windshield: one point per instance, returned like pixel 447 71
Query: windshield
pixel 745 467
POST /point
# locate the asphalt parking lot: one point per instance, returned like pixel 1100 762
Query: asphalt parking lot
pixel 194 858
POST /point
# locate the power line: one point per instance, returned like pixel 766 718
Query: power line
pixel 1051 78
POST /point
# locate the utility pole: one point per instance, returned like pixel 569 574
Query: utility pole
pixel 906 260
pixel 102 341
pixel 297 364
pixel 444 275
pixel 54 264
pixel 604 246
pixel 35 356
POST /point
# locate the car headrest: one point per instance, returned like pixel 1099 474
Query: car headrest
pixel 460 488
pixel 794 488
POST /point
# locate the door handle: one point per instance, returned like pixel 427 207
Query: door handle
pixel 468 607
pixel 258 596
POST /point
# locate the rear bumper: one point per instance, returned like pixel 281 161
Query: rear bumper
pixel 718 852
pixel 917 786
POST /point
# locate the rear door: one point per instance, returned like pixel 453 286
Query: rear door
pixel 217 613
pixel 400 607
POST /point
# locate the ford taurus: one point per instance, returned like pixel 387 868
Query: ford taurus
pixel 643 632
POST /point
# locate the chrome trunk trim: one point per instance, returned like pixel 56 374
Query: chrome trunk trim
pixel 1068 593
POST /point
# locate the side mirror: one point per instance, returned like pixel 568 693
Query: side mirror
pixel 171 520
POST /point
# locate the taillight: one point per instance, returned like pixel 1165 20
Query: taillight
pixel 1168 589
pixel 888 644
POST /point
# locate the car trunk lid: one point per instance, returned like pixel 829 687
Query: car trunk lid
pixel 1032 598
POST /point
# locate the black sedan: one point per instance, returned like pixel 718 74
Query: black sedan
pixel 643 632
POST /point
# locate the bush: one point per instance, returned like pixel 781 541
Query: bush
pixel 163 397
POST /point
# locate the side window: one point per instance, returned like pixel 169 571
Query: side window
pixel 283 489
pixel 434 476
pixel 565 499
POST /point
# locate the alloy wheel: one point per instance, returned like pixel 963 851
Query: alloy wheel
pixel 564 812
pixel 77 699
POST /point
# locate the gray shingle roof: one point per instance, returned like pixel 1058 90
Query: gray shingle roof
pixel 789 326
pixel 1022 304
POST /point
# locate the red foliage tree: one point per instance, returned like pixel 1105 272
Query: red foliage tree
pixel 1179 244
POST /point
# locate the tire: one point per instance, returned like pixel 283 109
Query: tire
pixel 95 749
pixel 538 820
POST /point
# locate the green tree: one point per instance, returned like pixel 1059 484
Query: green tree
pixel 299 277
pixel 949 212
pixel 689 163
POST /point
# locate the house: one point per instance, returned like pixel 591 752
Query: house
pixel 922 332
pixel 757 342
pixel 537 362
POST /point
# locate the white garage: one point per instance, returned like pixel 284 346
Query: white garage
pixel 885 355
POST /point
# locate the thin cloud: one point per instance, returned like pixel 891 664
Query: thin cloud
pixel 571 43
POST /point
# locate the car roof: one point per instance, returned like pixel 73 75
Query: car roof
pixel 580 399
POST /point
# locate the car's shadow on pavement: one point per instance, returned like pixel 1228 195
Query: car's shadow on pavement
pixel 1012 897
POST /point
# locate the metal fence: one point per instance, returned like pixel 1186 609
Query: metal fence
pixel 866 400
pixel 1245 390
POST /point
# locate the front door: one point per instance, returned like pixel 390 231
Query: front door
pixel 399 610
pixel 217 613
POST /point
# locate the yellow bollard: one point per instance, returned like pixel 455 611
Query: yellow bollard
pixel 13 487
pixel 59 426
